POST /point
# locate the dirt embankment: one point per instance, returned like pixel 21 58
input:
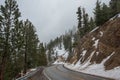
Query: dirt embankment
pixel 103 41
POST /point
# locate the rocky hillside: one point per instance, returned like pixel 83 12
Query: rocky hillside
pixel 100 43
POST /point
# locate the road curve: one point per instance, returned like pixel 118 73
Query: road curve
pixel 58 72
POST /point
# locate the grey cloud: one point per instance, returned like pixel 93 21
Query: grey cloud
pixel 53 17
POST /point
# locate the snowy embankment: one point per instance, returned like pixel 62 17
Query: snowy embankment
pixel 95 69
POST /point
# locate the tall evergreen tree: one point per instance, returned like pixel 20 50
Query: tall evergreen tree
pixel 91 24
pixel 85 22
pixel 42 56
pixel 31 44
pixel 17 47
pixel 115 7
pixel 79 13
pixel 18 42
pixel 105 13
pixel 9 14
pixel 98 13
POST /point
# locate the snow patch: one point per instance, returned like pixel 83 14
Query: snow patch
pixel 97 53
pixel 84 52
pixel 78 65
pixel 61 54
pixel 87 62
pixel 96 69
pixel 73 40
pixel 93 38
pixel 94 29
pixel 101 33
pixel 96 43
pixel 33 69
pixel 58 62
pixel 60 51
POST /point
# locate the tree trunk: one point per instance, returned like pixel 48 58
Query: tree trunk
pixel 5 55
pixel 25 59
pixel 25 63
pixel 2 67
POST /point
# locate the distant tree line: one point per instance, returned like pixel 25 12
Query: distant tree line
pixel 20 48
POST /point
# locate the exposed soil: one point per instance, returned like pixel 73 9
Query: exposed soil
pixel 108 37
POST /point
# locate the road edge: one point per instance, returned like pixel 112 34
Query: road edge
pixel 87 73
pixel 46 75
pixel 27 75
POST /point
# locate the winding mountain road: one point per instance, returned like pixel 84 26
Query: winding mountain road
pixel 59 72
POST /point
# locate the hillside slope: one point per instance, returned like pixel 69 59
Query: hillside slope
pixel 100 43
pixel 98 51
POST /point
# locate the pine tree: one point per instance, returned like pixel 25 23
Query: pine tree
pixel 18 42
pixel 115 7
pixel 1 39
pixel 91 24
pixel 17 46
pixel 79 13
pixel 105 13
pixel 98 13
pixel 42 56
pixel 85 22
pixel 9 13
pixel 31 44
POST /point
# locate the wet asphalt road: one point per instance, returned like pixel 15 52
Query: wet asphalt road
pixel 59 72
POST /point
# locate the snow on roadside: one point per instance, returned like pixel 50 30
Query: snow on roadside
pixel 58 62
pixel 96 69
pixel 78 65
pixel 33 69
pixel 87 62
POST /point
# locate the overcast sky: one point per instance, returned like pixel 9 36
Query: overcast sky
pixel 53 17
